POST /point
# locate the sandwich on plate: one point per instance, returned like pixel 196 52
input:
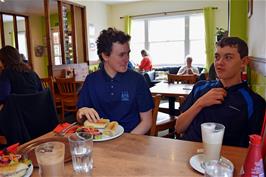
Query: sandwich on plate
pixel 12 165
pixel 101 123
pixel 111 128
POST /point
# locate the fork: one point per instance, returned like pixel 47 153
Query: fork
pixel 65 130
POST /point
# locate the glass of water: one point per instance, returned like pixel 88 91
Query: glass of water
pixel 81 144
pixel 218 168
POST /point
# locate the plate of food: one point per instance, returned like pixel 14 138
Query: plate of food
pixel 15 165
pixel 102 130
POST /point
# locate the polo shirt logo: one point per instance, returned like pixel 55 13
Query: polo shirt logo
pixel 124 96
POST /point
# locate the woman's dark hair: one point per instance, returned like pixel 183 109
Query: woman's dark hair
pixel 236 42
pixel 107 38
pixel 11 59
pixel 144 53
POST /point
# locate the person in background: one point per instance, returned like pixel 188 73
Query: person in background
pixel 16 76
pixel 25 60
pixel 145 64
pixel 130 65
pixel 228 100
pixel 188 68
pixel 116 92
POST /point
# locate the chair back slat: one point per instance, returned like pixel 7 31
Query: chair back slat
pixel 156 101
pixel 184 79
pixel 69 96
pixel 66 86
pixel 48 83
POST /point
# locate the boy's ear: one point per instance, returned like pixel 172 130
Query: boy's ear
pixel 105 57
pixel 245 60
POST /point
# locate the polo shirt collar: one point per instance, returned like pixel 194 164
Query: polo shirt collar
pixel 234 87
pixel 117 77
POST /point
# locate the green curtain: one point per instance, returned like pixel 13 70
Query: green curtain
pixel 239 19
pixel 127 24
pixel 239 24
pixel 209 35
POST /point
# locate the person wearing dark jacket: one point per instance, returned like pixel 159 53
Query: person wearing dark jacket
pixel 15 75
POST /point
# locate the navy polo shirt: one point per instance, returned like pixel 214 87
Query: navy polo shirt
pixel 120 99
pixel 241 112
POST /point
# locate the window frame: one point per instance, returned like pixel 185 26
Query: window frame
pixel 187 39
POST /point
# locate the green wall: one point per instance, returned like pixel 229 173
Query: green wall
pixel 239 28
pixel 238 19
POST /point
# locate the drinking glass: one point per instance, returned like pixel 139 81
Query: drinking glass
pixel 81 144
pixel 212 138
pixel 218 168
pixel 50 158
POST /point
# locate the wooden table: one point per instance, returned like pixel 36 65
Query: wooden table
pixel 172 91
pixel 138 155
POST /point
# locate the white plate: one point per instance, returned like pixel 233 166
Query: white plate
pixel 29 171
pixel 197 160
pixel 119 132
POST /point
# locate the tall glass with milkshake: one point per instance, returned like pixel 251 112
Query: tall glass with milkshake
pixel 50 157
pixel 212 138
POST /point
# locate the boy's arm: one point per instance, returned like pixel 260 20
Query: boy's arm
pixel 145 123
pixel 214 96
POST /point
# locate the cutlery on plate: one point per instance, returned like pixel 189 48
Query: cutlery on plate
pixel 65 130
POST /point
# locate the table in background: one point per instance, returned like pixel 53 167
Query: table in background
pixel 139 155
pixel 172 91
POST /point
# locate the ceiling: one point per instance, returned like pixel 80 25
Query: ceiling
pixel 28 7
pixel 25 7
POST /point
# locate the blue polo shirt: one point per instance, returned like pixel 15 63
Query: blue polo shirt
pixel 120 99
pixel 241 112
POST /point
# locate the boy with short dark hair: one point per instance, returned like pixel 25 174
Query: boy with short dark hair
pixel 228 101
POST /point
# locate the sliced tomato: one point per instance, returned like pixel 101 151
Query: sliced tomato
pixel 12 148
pixel 90 130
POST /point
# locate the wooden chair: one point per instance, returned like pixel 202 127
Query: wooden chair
pixel 184 79
pixel 161 121
pixel 164 107
pixel 69 96
pixel 48 82
pixel 156 101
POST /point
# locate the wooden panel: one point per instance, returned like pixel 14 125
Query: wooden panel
pixel 48 34
pixel 258 64
pixel 15 31
pixel 2 30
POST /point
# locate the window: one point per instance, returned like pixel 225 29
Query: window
pixel 56 48
pixel 169 39
pixel 22 43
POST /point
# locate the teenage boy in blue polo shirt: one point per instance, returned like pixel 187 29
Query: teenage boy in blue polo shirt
pixel 228 101
pixel 116 92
